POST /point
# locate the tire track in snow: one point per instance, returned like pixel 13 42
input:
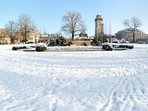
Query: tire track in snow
pixel 126 95
pixel 129 93
pixel 11 100
pixel 6 99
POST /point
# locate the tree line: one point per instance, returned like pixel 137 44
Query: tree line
pixel 72 24
pixel 22 26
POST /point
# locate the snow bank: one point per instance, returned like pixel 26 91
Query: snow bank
pixel 74 81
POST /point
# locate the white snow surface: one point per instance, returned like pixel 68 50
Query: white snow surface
pixel 74 81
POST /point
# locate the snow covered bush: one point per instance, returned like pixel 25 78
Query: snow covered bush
pixel 41 47
pixel 18 47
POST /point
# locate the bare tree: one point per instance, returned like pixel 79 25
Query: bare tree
pixel 133 24
pixel 73 23
pixel 25 25
pixel 11 29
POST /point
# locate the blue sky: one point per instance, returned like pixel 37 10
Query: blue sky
pixel 47 14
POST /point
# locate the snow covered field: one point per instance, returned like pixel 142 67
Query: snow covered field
pixel 74 81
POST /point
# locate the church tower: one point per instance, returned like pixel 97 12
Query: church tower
pixel 99 28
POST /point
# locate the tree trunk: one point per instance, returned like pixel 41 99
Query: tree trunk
pixel 73 35
pixel 25 37
pixel 12 40
pixel 133 36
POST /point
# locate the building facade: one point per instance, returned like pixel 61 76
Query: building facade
pixel 33 36
pixel 4 38
pixel 127 34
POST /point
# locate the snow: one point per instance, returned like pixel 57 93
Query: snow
pixel 74 81
pixel 41 44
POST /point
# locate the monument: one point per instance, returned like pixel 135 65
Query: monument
pixel 99 28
